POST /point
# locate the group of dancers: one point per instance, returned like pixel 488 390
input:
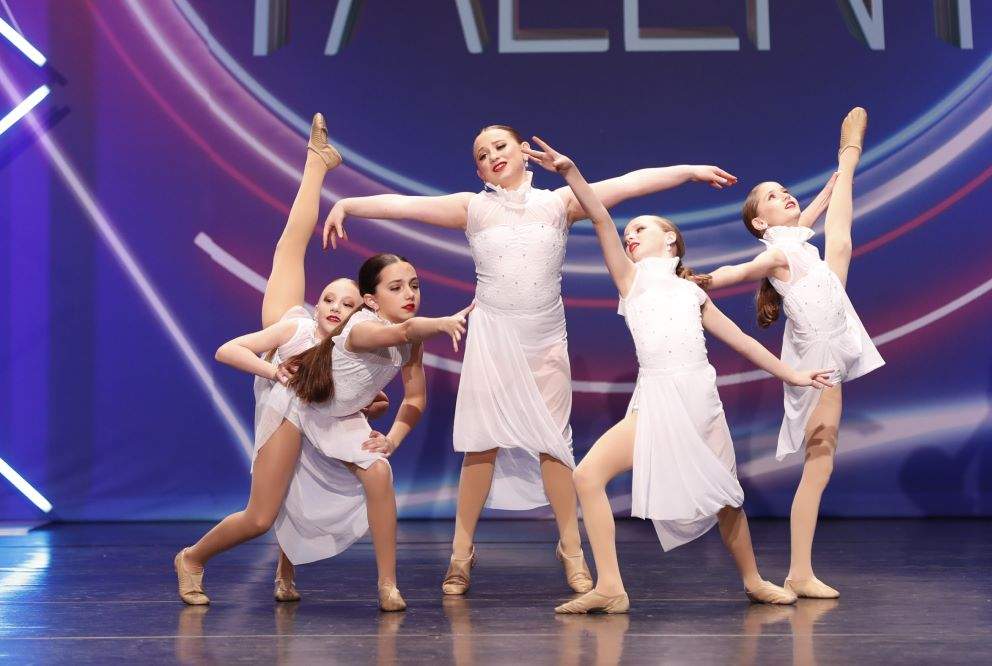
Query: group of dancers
pixel 321 476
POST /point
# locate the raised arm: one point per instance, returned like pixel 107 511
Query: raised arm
pixel 411 409
pixel 722 327
pixel 371 335
pixel 646 181
pixel 620 266
pixel 770 263
pixel 450 211
pixel 818 206
pixel 243 352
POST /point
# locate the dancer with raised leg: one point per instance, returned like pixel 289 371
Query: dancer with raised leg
pixel 674 436
pixel 318 502
pixel 822 330
pixel 515 395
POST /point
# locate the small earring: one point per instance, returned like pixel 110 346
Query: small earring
pixel 526 164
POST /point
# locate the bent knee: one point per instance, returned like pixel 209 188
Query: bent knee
pixel 378 473
pixel 586 480
pixel 260 522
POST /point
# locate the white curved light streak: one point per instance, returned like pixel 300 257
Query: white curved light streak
pixel 685 218
pixel 866 203
pixel 134 271
pixel 231 264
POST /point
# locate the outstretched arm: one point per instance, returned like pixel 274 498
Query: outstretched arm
pixel 371 335
pixel 771 262
pixel 722 327
pixel 646 181
pixel 242 352
pixel 450 211
pixel 621 268
pixel 411 409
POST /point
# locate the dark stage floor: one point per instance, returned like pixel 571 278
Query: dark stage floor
pixel 912 592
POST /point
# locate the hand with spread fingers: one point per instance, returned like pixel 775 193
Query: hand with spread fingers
pixel 548 157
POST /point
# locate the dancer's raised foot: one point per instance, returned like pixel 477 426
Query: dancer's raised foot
pixel 319 145
pixel 459 574
pixel 810 588
pixel 390 598
pixel 190 583
pixel 577 573
pixel 766 592
pixel 594 602
pixel 852 130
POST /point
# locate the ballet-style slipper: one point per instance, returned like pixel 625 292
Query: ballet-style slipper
pixel 190 584
pixel 458 576
pixel 390 598
pixel 770 593
pixel 576 570
pixel 594 602
pixel 852 130
pixel 285 590
pixel 810 588
pixel 319 145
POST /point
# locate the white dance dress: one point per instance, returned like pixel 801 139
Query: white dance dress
pixel 684 470
pixel 822 329
pixel 515 392
pixel 324 511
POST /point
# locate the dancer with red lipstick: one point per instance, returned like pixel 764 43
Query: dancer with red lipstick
pixel 322 374
pixel 515 394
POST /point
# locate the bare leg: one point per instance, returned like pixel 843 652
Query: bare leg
pixel 840 213
pixel 377 481
pixel 270 479
pixel 561 494
pixel 737 538
pixel 821 444
pixel 473 488
pixel 612 454
pixel 286 284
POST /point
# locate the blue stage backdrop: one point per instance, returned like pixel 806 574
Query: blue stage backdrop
pixel 141 199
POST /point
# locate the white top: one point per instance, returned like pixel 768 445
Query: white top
pixel 303 338
pixel 359 376
pixel 517 238
pixel 663 314
pixel 813 298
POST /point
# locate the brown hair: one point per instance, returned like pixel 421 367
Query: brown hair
pixel 506 128
pixel 701 279
pixel 312 379
pixel 767 301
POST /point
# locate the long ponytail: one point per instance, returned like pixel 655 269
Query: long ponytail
pixel 313 379
pixel 767 301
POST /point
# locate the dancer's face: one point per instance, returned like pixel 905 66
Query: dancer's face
pixel 397 295
pixel 498 158
pixel 645 236
pixel 338 300
pixel 776 207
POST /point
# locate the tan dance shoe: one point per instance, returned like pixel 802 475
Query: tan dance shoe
pixel 576 570
pixel 811 588
pixel 852 130
pixel 190 584
pixel 594 602
pixel 319 145
pixel 286 590
pixel 770 593
pixel 390 598
pixel 458 577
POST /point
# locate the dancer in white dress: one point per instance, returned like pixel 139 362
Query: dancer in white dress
pixel 675 436
pixel 822 330
pixel 288 330
pixel 514 396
